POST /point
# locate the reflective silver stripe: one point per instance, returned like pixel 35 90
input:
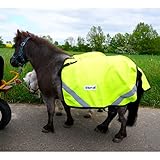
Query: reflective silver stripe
pixel 129 94
pixel 74 95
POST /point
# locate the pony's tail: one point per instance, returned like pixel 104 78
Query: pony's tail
pixel 132 114
pixel 133 107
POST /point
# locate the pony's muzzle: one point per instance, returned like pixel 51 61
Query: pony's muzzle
pixel 14 62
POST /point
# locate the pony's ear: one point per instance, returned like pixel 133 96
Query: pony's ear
pixel 28 33
pixel 18 32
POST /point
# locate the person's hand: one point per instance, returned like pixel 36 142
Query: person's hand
pixel 18 81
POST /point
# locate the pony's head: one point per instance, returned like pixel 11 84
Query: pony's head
pixel 19 57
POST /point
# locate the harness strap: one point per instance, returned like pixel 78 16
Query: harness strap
pixel 25 41
pixel 72 61
pixel 21 53
pixel 66 64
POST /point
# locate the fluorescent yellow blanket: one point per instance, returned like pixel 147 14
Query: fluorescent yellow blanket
pixel 94 80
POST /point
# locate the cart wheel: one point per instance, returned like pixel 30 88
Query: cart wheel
pixel 5 114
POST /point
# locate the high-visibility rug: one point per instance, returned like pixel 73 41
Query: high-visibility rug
pixel 94 80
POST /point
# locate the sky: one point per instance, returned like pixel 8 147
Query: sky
pixel 61 23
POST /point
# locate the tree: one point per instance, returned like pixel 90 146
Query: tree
pixel 108 40
pixel 1 42
pixel 117 43
pixel 96 38
pixel 80 41
pixel 127 44
pixel 121 44
pixel 66 46
pixel 81 44
pixel 107 47
pixel 118 40
pixel 142 38
pixel 48 38
pixel 71 41
pixel 155 46
pixel 56 43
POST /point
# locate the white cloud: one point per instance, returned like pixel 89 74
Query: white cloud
pixel 8 30
pixel 63 23
pixel 50 4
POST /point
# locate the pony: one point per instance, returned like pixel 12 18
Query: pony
pixel 48 62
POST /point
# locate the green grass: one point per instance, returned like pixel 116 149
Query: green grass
pixel 151 67
pixel 18 93
pixel 149 64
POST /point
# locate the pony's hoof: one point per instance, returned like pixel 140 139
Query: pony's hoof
pixel 101 129
pixel 87 116
pixel 59 114
pixel 117 140
pixel 96 129
pixel 68 124
pixel 47 129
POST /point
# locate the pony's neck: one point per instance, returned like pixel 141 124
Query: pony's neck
pixel 42 56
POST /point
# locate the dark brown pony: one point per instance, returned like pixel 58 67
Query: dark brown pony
pixel 47 60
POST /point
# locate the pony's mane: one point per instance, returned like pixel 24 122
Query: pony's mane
pixel 38 40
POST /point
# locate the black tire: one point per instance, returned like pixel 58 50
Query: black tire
pixel 5 112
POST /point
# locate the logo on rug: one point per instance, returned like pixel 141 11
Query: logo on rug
pixel 90 87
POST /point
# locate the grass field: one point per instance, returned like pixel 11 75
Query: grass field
pixel 148 63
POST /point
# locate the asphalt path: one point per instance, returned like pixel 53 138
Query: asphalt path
pixel 23 133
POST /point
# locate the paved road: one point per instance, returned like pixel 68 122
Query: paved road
pixel 24 132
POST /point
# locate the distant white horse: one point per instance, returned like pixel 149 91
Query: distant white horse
pixel 32 84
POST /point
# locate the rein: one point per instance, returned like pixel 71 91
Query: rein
pixel 34 91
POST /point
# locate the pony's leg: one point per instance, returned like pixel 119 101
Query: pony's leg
pixel 69 122
pixel 122 132
pixel 119 117
pixel 112 112
pixel 50 103
pixel 59 106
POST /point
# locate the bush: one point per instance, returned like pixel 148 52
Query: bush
pixel 2 45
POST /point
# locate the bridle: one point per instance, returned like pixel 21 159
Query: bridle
pixel 21 58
